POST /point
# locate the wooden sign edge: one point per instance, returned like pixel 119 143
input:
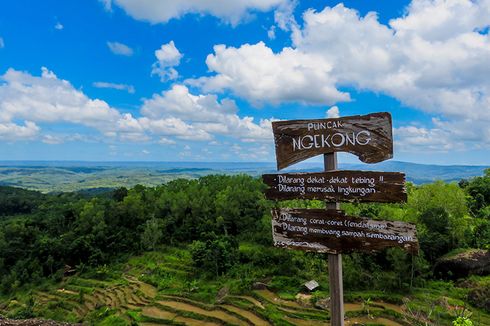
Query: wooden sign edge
pixel 277 124
pixel 413 249
pixel 404 193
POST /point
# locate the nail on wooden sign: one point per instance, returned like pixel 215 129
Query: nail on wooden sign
pixel 344 186
pixel 369 137
pixel 330 231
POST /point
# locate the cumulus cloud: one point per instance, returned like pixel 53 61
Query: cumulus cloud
pixel 55 139
pixel 271 32
pixel 166 141
pixel 161 11
pixel 59 26
pixel 168 57
pixel 120 49
pixel 49 99
pixel 175 113
pixel 256 73
pixel 200 116
pixel 284 15
pixel 120 87
pixel 333 112
pixel 434 58
pixel 12 132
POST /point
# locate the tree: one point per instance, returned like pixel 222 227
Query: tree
pixel 215 256
pixel 152 233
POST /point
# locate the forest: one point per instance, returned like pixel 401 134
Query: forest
pixel 221 225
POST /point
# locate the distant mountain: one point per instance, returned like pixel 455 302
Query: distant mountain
pixel 55 176
pixel 423 173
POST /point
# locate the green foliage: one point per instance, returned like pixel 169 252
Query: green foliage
pixel 478 190
pixel 462 321
pixel 15 201
pixel 152 233
pixel 75 230
pixel 215 256
pixel 215 232
pixel 441 211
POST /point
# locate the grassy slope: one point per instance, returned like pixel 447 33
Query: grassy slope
pixel 159 288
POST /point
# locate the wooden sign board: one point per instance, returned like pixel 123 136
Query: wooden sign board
pixel 345 186
pixel 369 137
pixel 330 231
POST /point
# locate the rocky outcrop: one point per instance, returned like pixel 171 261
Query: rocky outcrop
pixel 31 322
pixel 463 264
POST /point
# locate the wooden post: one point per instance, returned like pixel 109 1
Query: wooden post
pixel 335 262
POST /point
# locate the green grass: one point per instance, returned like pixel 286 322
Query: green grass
pixel 168 269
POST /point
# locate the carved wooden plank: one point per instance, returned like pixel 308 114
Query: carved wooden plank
pixel 345 186
pixel 369 137
pixel 330 231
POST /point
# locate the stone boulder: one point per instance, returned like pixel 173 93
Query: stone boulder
pixel 32 322
pixel 463 264
pixel 323 304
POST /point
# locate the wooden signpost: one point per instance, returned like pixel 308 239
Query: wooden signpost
pixel 344 186
pixel 331 231
pixel 368 136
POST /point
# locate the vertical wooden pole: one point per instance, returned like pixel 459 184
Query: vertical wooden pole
pixel 335 262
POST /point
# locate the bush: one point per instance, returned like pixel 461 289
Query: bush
pixel 215 256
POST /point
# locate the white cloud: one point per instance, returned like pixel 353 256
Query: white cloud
pixel 166 141
pixel 107 5
pixel 414 139
pixel 168 57
pixel 2 43
pixel 49 99
pixel 333 112
pixel 58 26
pixel 203 115
pixel 120 49
pixel 146 152
pixel 52 139
pixel 284 15
pixel 437 71
pixel 121 87
pixel 174 127
pixel 175 113
pixel 434 58
pixel 12 132
pixel 161 11
pixel 271 32
pixel 256 73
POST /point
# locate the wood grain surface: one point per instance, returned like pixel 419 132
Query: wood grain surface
pixel 369 137
pixel 330 231
pixel 345 186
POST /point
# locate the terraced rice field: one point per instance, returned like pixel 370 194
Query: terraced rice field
pixel 140 303
pixel 151 308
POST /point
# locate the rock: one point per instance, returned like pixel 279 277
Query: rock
pixel 323 304
pixel 259 286
pixel 304 299
pixel 31 322
pixel 222 293
pixel 470 262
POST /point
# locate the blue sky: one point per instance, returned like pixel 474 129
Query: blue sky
pixel 188 80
